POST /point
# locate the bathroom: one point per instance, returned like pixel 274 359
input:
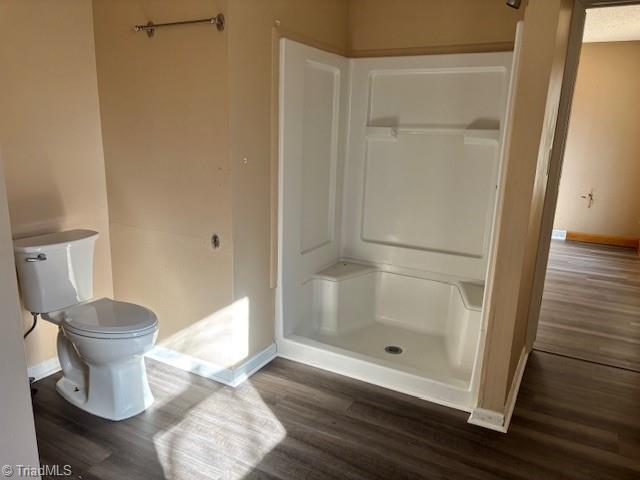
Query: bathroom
pixel 181 149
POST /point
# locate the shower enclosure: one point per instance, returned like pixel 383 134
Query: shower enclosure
pixel 388 179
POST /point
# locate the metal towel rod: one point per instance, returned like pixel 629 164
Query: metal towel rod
pixel 150 27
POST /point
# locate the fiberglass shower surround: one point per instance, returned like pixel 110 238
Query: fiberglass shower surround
pixel 389 173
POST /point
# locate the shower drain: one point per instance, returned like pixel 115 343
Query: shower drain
pixel 393 349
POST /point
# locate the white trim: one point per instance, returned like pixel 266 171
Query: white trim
pixel 44 369
pixel 250 366
pixel 487 419
pixel 500 421
pixel 559 234
pixel 233 376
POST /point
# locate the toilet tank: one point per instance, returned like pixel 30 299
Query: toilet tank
pixel 55 271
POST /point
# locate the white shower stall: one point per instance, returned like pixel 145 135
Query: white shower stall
pixel 389 175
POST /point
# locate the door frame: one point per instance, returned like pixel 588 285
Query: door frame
pixel 18 443
pixel 557 155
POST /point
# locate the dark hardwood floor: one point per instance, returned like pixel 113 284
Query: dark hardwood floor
pixel 591 304
pixel 573 420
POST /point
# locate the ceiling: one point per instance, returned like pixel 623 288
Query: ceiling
pixel 612 24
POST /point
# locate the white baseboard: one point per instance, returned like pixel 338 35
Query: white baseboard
pixel 44 369
pixel 253 364
pixel 228 376
pixel 496 420
pixel 559 234
pixel 487 419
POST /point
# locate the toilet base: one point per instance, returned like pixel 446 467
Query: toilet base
pixel 106 378
pixel 106 395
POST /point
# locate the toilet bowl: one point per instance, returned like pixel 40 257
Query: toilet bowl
pixel 101 347
pixel 101 342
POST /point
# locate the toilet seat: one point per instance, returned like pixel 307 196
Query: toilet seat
pixel 106 318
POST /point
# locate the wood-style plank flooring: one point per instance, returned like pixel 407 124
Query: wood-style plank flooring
pixel 591 304
pixel 573 420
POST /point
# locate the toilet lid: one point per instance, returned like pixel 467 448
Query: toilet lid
pixel 107 316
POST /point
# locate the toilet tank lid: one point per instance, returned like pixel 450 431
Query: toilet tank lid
pixel 51 240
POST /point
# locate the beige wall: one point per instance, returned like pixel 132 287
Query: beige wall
pixel 50 132
pixel 403 27
pixel 253 64
pixel 540 73
pixel 18 439
pixel 181 113
pixel 603 145
pixel 164 105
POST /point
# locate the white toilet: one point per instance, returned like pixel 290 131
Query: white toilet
pixel 101 343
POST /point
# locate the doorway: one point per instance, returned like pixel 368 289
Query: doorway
pixel 590 306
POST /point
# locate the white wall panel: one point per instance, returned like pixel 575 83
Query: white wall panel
pixel 319 154
pixel 423 161
pixel 313 126
pixel 457 96
pixel 430 191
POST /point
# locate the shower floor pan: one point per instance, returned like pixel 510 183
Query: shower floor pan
pixel 354 319
pixel 422 354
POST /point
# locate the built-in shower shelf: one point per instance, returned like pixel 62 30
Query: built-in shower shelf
pixel 472 294
pixel 344 270
pixel 471 135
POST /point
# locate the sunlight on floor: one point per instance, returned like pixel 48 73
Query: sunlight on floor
pixel 242 415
